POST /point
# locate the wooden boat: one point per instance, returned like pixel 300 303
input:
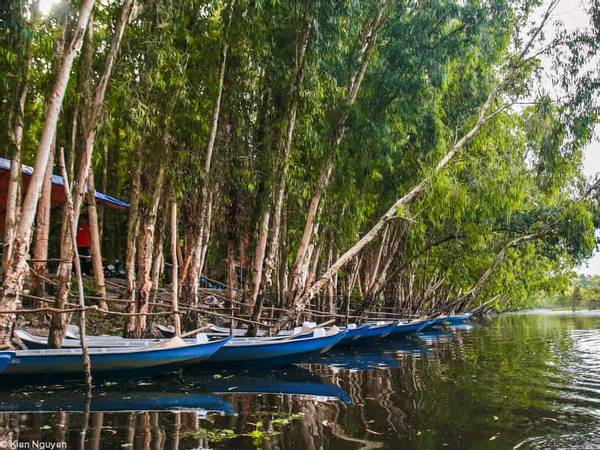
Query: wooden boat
pixel 215 331
pixel 234 350
pixel 5 358
pixel 415 326
pixel 246 350
pixel 373 332
pixel 69 361
pixel 436 322
pixel 458 319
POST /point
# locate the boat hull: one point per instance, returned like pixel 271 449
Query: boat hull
pixel 274 350
pixel 374 332
pixel 70 361
pixel 404 329
pixel 5 359
pixel 434 323
pixel 458 319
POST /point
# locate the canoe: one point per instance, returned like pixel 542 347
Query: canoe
pixel 34 342
pixel 354 333
pixel 436 322
pixel 415 326
pixel 235 349
pixel 215 331
pixel 5 358
pixel 458 319
pixel 69 361
pixel 375 331
pixel 246 350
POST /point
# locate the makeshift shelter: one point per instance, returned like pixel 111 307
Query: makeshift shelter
pixel 57 198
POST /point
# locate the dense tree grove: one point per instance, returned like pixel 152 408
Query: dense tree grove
pixel 418 156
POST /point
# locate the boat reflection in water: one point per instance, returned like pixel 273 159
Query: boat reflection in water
pixel 386 355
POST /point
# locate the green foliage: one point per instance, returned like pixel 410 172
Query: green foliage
pixel 433 65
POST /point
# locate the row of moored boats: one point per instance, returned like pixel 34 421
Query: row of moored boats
pixel 218 347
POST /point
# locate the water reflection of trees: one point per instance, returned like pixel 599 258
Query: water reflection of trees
pixel 512 374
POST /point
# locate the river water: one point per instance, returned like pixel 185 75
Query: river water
pixel 527 380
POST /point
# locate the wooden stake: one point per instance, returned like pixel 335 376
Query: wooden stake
pixel 87 367
pixel 175 269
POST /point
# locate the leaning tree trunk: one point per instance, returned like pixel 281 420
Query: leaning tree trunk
pixel 18 268
pixel 483 117
pixel 367 45
pixel 58 324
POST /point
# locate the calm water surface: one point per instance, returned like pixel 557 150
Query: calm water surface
pixel 529 381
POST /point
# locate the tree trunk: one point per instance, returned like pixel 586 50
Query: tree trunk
pixel 58 324
pixel 145 257
pixel 16 124
pixel 175 269
pixel 95 245
pixel 18 268
pixel 42 229
pixel 103 187
pixel 257 268
pixel 367 44
pixel 133 225
pixel 482 118
pixel 284 147
pixel 190 271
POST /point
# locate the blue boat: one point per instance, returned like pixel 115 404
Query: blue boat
pixel 70 361
pixel 375 331
pixel 5 358
pixel 244 350
pixel 458 319
pixel 354 333
pixel 434 323
pixel 278 351
pixel 415 326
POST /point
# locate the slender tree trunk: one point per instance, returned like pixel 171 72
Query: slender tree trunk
pixel 257 268
pixel 58 324
pixel 189 275
pixel 16 125
pixel 95 245
pixel 284 147
pixel 483 117
pixel 103 187
pixel 145 258
pixel 367 45
pixel 42 229
pixel 133 225
pixel 18 268
pixel 72 225
pixel 175 269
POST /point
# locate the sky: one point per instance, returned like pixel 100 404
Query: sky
pixel 572 14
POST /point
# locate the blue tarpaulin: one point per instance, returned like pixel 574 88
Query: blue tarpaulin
pixel 57 197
